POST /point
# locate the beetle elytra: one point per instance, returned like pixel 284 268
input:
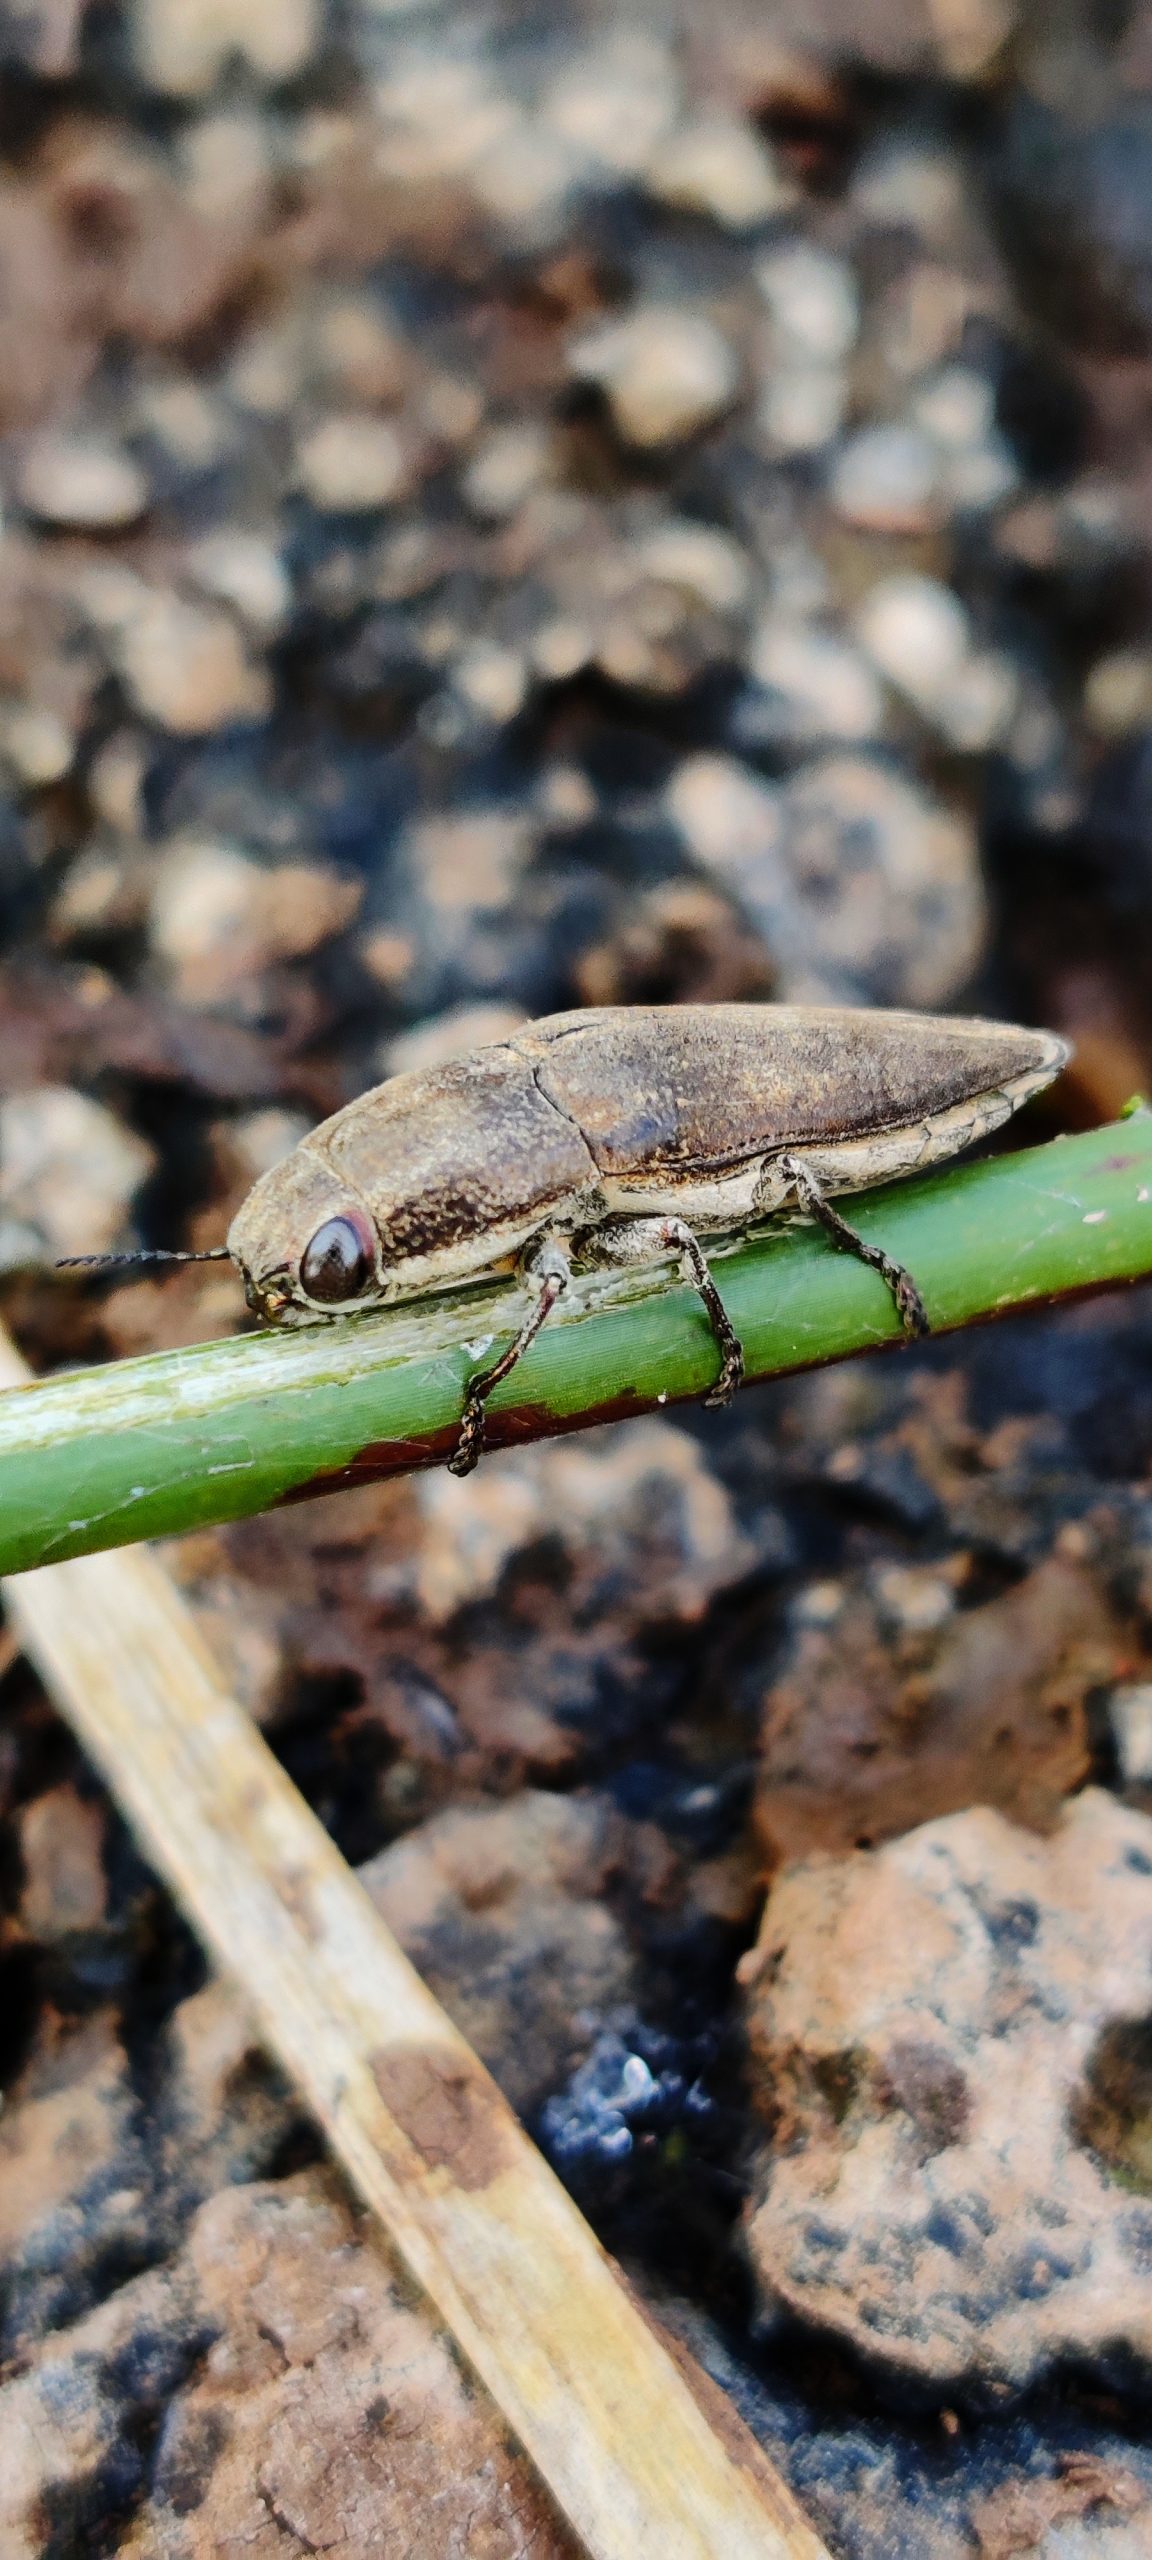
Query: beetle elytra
pixel 621 1135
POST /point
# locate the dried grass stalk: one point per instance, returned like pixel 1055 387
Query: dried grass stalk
pixel 589 2387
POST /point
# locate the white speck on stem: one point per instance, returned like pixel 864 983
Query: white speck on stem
pixel 1143 1193
pixel 1094 1217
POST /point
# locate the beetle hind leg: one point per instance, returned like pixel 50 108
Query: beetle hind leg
pixel 549 1267
pixel 910 1305
pixel 623 1240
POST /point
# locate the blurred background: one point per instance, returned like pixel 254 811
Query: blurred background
pixel 509 507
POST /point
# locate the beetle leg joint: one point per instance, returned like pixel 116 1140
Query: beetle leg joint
pixel 643 1240
pixel 909 1304
pixel 548 1265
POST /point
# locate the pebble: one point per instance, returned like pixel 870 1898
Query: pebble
pixel 957 406
pixel 1118 692
pixel 888 880
pixel 719 166
pixel 886 479
pixel 666 373
pixel 183 46
pixel 185 666
pixel 865 889
pixel 82 482
pixel 916 631
pixel 802 407
pixel 708 565
pixel 245 571
pixel 491 681
pixel 36 744
pixel 613 104
pixel 818 688
pixel 512 461
pixel 193 429
pixel 68 1172
pixel 217 919
pixel 352 465
pixel 813 301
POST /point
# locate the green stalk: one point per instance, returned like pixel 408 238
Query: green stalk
pixel 154 1447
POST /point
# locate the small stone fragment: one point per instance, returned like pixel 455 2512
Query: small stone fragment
pixel 184 45
pixel 886 479
pixel 801 406
pixel 61 1839
pixel 36 744
pixel 512 461
pixel 186 667
pixel 813 301
pixel 352 465
pixel 80 482
pixel 245 571
pixel 616 99
pixel 947 2036
pixel 719 166
pixel 667 374
pixel 819 690
pixel 68 1173
pixel 217 918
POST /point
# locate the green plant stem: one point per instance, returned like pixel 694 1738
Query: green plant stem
pixel 155 1447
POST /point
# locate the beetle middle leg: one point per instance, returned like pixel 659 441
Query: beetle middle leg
pixel 548 1265
pixel 623 1240
pixel 910 1305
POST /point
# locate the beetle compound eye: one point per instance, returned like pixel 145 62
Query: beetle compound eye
pixel 339 1262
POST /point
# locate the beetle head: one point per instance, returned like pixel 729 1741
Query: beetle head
pixel 304 1245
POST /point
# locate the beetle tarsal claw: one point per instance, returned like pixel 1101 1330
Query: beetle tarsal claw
pixel 909 1304
pixel 550 1267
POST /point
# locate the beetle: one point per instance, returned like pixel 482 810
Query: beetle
pixel 622 1134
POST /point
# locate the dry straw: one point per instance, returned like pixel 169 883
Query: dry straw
pixel 640 2453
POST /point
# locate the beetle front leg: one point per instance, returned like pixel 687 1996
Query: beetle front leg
pixel 910 1305
pixel 548 1264
pixel 623 1240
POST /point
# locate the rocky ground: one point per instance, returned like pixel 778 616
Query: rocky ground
pixel 507 509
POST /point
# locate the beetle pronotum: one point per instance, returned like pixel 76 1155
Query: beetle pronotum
pixel 621 1135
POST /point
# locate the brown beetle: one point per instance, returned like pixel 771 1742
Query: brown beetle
pixel 620 1135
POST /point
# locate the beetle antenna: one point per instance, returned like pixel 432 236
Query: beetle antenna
pixel 124 1261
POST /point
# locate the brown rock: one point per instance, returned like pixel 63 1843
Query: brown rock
pixel 1026 2515
pixel 293 2397
pixel 61 1838
pixel 936 2029
pixel 894 1706
pixel 502 1911
pixel 73 2180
